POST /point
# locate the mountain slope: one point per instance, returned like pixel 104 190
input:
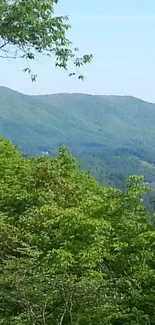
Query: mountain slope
pixel 112 135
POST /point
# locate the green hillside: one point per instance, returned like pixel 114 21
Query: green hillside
pixel 113 136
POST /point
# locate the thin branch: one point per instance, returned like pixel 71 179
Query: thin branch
pixel 64 312
pixel 1 46
pixel 44 310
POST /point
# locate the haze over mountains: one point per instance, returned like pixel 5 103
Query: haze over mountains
pixel 112 135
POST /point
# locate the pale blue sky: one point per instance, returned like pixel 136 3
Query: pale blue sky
pixel 120 34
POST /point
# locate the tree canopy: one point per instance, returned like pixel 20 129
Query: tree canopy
pixel 29 28
pixel 72 252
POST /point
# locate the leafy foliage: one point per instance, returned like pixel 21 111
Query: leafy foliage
pixel 72 252
pixel 29 28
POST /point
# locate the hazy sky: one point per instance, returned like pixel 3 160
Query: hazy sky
pixel 121 36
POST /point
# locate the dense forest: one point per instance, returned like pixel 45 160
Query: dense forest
pixel 72 252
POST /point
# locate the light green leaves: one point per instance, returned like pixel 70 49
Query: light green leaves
pixel 30 28
pixel 72 252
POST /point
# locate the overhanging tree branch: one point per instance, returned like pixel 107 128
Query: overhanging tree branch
pixel 30 26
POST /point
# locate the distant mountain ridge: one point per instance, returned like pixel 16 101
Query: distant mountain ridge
pixel 113 135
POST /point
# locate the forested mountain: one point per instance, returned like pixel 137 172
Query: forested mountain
pixel 113 136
